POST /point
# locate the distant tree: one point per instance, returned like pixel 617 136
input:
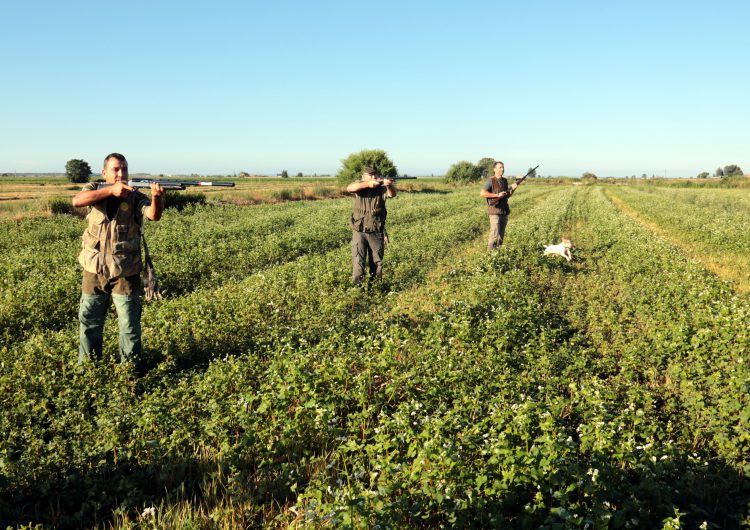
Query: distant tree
pixel 703 175
pixel 487 166
pixel 77 170
pixel 244 175
pixel 643 176
pixel 719 172
pixel 284 174
pixel 589 178
pixel 463 172
pixel 299 174
pixel 351 166
pixel 732 170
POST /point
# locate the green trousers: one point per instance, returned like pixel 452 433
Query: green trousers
pixel 92 314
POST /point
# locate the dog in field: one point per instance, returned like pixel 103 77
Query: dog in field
pixel 561 249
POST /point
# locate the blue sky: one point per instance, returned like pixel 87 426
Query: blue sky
pixel 657 87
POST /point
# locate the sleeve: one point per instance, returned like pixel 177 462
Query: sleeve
pixel 142 202
pixel 488 185
pixel 89 186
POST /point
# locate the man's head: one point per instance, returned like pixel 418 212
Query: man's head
pixel 115 168
pixel 499 169
pixel 369 173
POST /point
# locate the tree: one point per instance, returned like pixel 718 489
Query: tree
pixel 732 170
pixel 463 172
pixel 299 174
pixel 719 172
pixel 589 178
pixel 487 166
pixel 702 175
pixel 284 174
pixel 351 166
pixel 77 170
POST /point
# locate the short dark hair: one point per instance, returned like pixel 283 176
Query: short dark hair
pixel 369 170
pixel 116 156
pixel 497 162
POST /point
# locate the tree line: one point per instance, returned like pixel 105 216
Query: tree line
pixel 462 172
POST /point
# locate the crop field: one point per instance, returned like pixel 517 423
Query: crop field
pixel 505 390
pixel 24 197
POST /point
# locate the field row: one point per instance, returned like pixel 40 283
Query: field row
pixel 713 226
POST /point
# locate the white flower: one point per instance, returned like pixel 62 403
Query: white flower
pixel 149 512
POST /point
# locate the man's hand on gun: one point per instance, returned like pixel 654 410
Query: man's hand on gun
pixel 121 189
pixel 380 182
pixel 156 190
pixel 519 180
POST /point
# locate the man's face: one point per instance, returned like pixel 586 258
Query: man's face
pixel 499 170
pixel 115 171
pixel 369 176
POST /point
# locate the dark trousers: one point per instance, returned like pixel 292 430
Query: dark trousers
pixel 367 247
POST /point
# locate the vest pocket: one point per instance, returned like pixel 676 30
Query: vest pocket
pixel 124 241
pixel 90 241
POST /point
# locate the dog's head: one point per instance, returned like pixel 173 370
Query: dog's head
pixel 566 243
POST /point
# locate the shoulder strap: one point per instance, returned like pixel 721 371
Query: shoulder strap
pixel 151 284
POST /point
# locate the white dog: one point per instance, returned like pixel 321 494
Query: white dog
pixel 561 249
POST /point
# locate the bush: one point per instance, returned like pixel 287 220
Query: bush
pixel 351 166
pixel 463 172
pixel 62 206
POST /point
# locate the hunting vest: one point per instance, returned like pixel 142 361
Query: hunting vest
pixel 369 211
pixel 112 247
pixel 498 206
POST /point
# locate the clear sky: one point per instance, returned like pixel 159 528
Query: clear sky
pixel 219 87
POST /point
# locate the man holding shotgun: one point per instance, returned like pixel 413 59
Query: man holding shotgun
pixel 497 192
pixel 368 223
pixel 111 258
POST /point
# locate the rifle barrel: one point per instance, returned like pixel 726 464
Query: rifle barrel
pixel 183 183
pixel 171 184
pixel 529 172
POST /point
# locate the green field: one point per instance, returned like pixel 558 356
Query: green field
pixel 22 197
pixel 469 390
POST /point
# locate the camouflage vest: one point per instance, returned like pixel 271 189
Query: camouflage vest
pixel 498 206
pixel 112 247
pixel 369 211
